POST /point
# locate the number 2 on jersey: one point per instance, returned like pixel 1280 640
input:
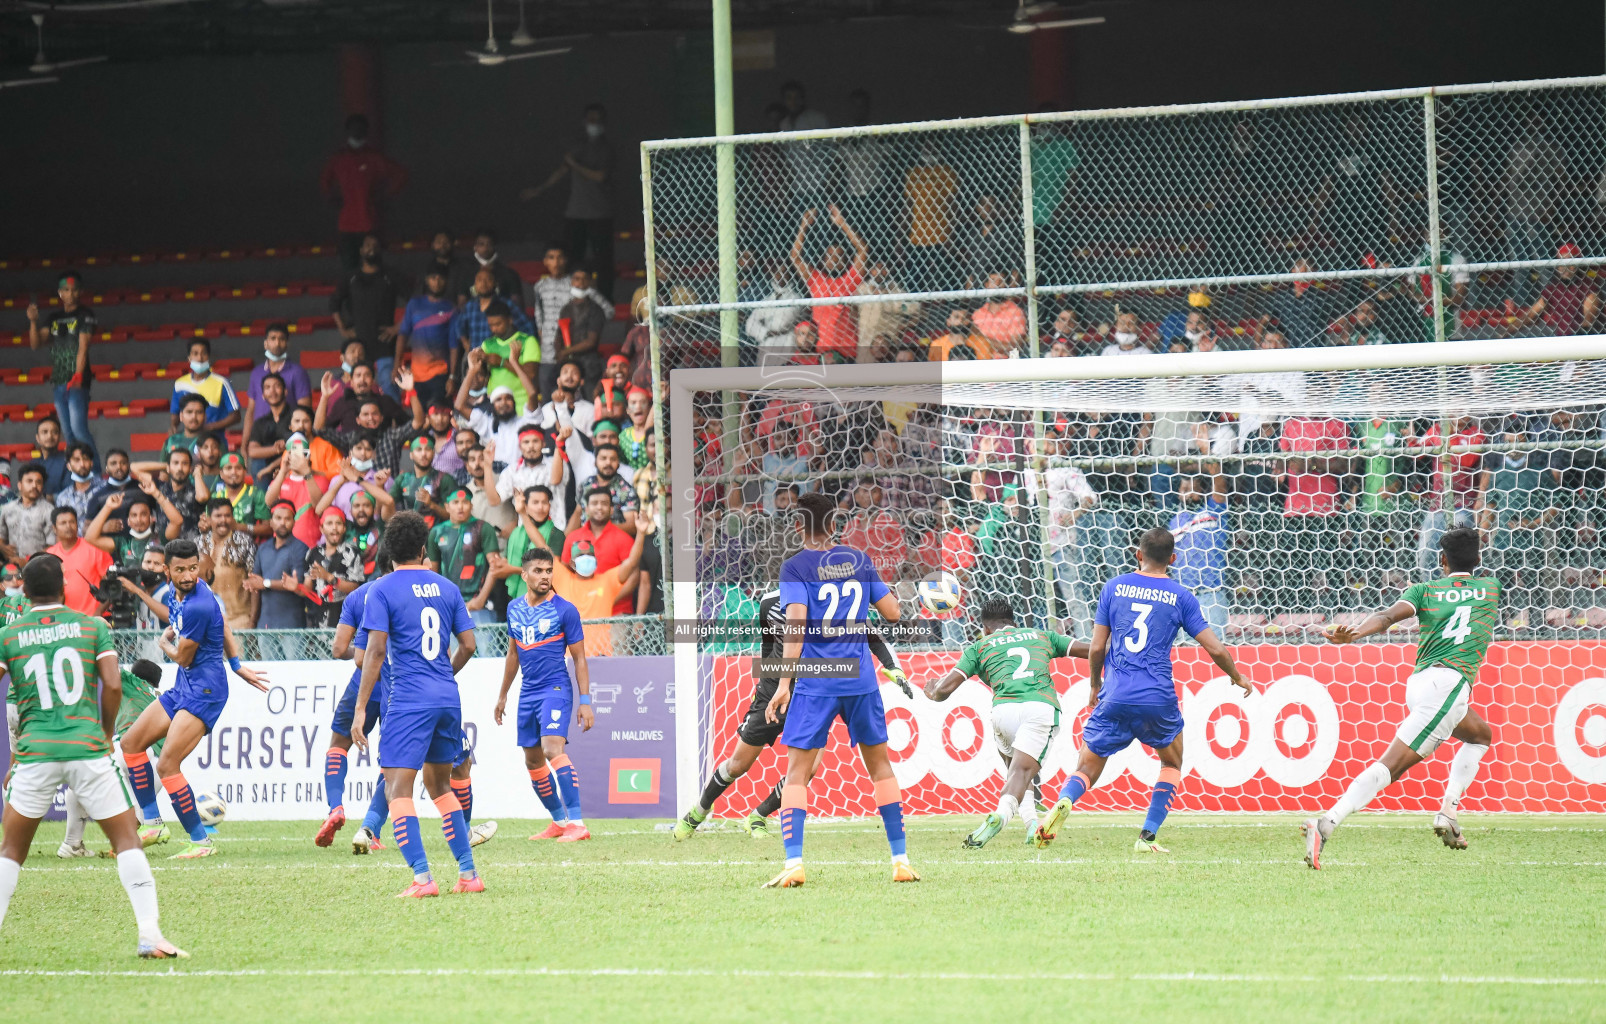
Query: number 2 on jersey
pixel 1460 625
pixel 852 590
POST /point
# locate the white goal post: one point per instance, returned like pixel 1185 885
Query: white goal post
pixel 1487 377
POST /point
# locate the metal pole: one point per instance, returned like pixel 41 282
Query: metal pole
pixel 1039 452
pixel 687 656
pixel 725 187
pixel 661 420
pixel 1435 239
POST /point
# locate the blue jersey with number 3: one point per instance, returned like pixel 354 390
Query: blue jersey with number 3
pixel 1144 613
pixel 419 611
pixel 838 586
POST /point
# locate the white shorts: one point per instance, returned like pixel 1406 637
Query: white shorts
pixel 1436 699
pixel 102 793
pixel 1028 726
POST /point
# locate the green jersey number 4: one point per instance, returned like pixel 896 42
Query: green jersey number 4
pixel 67 668
pixel 1459 627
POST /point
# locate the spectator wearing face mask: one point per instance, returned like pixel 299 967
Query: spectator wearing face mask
pixel 588 216
pixel 14 604
pixel 346 411
pixel 580 325
pixel 357 179
pixel 595 544
pixel 138 530
pixel 119 478
pixel 552 293
pixel 222 406
pixel 364 307
pixel 294 384
pixel 82 481
pixel 1126 341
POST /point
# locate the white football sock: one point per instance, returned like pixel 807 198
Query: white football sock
pixel 1463 769
pixel 1007 806
pixel 1361 792
pixel 9 869
pixel 140 884
pixel 76 820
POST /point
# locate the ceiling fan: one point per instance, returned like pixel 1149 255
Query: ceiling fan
pixel 43 66
pixel 492 54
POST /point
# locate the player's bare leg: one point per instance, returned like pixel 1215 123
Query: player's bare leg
pixel 334 773
pixel 463 787
pixel 132 867
pixel 1089 766
pixel 1395 762
pixel 1017 781
pixel 150 727
pixel 184 733
pixel 889 801
pixel 1476 737
pixel 794 808
pixel 1165 789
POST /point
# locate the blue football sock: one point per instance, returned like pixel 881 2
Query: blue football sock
pixel 464 790
pixel 142 774
pixel 546 787
pixel 892 821
pixel 378 808
pixel 569 786
pixel 178 791
pixel 408 841
pixel 1160 800
pixel 792 831
pixel 334 777
pixel 1074 787
pixel 456 828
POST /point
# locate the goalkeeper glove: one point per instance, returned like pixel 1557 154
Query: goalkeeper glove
pixel 898 676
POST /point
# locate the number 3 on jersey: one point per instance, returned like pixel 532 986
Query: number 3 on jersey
pixel 429 621
pixel 1141 624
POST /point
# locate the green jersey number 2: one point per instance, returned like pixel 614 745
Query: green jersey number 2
pixel 1460 625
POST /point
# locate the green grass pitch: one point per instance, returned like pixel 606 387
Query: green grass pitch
pixel 1231 926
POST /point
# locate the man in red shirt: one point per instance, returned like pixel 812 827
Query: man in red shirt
pixel 356 178
pixel 82 563
pixel 1568 303
pixel 838 331
pixel 600 539
pixel 1313 483
pixel 874 531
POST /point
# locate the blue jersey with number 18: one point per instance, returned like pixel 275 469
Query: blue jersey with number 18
pixel 420 612
pixel 1143 614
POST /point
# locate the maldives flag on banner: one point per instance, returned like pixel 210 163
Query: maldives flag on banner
pixel 1319 715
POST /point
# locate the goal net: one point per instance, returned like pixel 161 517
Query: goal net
pixel 1305 487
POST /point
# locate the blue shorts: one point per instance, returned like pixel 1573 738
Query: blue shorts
pixel 810 716
pixel 203 706
pixel 466 750
pixel 348 707
pixel 1111 727
pixel 415 737
pixel 545 712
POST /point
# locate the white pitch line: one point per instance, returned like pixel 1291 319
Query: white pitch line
pixel 1186 978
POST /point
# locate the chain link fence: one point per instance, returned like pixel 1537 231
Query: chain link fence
pixel 623 635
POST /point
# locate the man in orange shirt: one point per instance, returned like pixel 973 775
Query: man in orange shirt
pixel 1000 321
pixel 592 592
pixel 961 342
pixel 82 563
pixel 838 331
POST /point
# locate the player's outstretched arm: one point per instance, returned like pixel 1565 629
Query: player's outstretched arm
pixel 1095 661
pixel 941 689
pixel 1223 658
pixel 1377 622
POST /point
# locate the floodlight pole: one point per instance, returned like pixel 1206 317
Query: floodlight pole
pixel 725 187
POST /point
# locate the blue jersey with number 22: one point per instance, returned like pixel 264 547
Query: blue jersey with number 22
pixel 1144 613
pixel 838 586
pixel 420 611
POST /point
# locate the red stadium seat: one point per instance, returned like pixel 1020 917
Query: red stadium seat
pixel 143 442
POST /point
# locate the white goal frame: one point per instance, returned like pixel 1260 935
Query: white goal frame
pixel 684 384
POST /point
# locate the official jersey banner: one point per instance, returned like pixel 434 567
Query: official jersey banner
pixel 265 756
pixel 1320 714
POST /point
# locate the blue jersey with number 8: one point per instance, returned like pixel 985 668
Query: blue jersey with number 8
pixel 1143 614
pixel 420 611
pixel 838 586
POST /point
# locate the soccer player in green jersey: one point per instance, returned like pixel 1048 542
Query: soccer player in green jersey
pixel 13 605
pixel 1456 616
pixel 55 657
pixel 139 690
pixel 1013 662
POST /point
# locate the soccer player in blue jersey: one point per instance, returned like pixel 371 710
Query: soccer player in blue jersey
pixel 828 590
pixel 1134 695
pixel 542 628
pixel 411 617
pixel 196 641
